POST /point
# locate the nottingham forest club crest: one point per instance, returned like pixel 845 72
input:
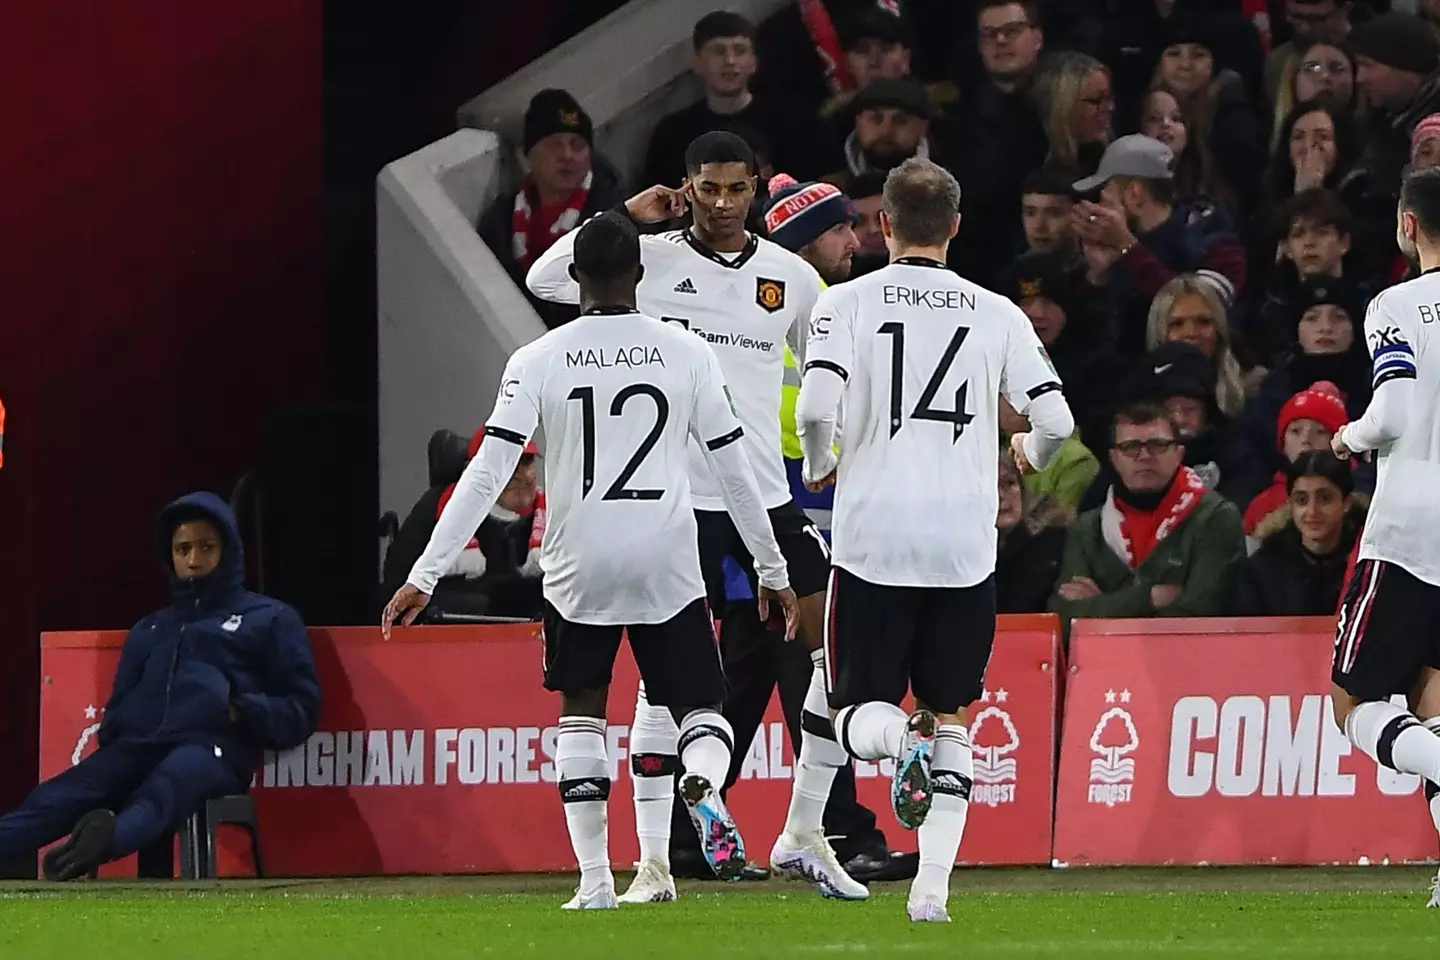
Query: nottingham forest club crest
pixel 770 294
pixel 994 740
pixel 1112 773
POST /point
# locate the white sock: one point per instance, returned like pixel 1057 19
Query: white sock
pixel 654 758
pixel 1432 789
pixel 820 758
pixel 583 768
pixel 871 731
pixel 952 769
pixel 1394 738
pixel 706 741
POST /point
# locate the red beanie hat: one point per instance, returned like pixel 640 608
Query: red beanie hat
pixel 1322 402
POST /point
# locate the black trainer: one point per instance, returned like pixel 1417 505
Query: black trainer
pixel 87 848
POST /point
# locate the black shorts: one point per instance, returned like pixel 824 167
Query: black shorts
pixel 1387 631
pixel 806 553
pixel 679 659
pixel 881 640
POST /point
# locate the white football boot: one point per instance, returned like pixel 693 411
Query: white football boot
pixel 929 910
pixel 812 858
pixel 599 897
pixel 1434 891
pixel 652 884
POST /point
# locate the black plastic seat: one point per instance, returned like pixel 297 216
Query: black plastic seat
pixel 199 846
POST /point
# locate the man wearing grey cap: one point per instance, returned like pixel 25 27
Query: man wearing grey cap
pixel 1136 235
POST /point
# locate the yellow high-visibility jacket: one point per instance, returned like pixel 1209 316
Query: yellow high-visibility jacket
pixel 789 396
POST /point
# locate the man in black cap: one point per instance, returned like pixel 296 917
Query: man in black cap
pixel 892 124
pixel 566 185
pixel 878 43
pixel 1396 55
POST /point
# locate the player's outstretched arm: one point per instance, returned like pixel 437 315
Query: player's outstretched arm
pixel 507 431
pixel 549 276
pixel 1384 420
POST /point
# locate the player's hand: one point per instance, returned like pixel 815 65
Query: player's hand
pixel 1338 446
pixel 657 204
pixel 788 603
pixel 815 486
pixel 1017 450
pixel 1164 594
pixel 405 606
pixel 1079 588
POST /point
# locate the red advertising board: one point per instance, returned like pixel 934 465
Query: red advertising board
pixel 434 755
pixel 1213 742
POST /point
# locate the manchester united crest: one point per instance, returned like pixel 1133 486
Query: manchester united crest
pixel 770 294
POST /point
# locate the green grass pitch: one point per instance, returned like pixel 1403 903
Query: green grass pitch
pixel 1298 912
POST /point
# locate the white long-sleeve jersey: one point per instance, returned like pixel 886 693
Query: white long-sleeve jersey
pixel 620 396
pixel 1402 427
pixel 744 305
pixel 918 357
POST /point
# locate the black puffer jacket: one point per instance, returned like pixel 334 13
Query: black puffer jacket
pixel 1283 579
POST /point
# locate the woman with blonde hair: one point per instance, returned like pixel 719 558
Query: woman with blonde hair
pixel 1320 71
pixel 1077 106
pixel 1189 310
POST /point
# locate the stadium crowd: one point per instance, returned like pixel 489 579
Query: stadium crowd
pixel 1192 201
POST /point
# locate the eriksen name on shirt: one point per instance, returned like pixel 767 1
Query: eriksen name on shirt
pixel 606 357
pixel 937 299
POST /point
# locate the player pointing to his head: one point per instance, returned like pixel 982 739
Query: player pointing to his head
pixel 745 297
pixel 919 357
pixel 619 396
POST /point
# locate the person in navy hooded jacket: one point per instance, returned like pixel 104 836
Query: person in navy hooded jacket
pixel 203 687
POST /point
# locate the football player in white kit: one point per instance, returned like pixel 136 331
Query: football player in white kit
pixel 1386 641
pixel 618 396
pixel 916 358
pixel 744 296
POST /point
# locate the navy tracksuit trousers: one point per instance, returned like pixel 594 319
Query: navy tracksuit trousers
pixel 151 788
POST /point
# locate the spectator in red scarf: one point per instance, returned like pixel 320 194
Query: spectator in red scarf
pixel 498 573
pixel 566 184
pixel 1161 544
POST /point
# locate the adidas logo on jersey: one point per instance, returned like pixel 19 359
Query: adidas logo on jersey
pixel 685 286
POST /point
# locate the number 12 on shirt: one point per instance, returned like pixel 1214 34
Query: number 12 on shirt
pixel 618 490
pixel 956 417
